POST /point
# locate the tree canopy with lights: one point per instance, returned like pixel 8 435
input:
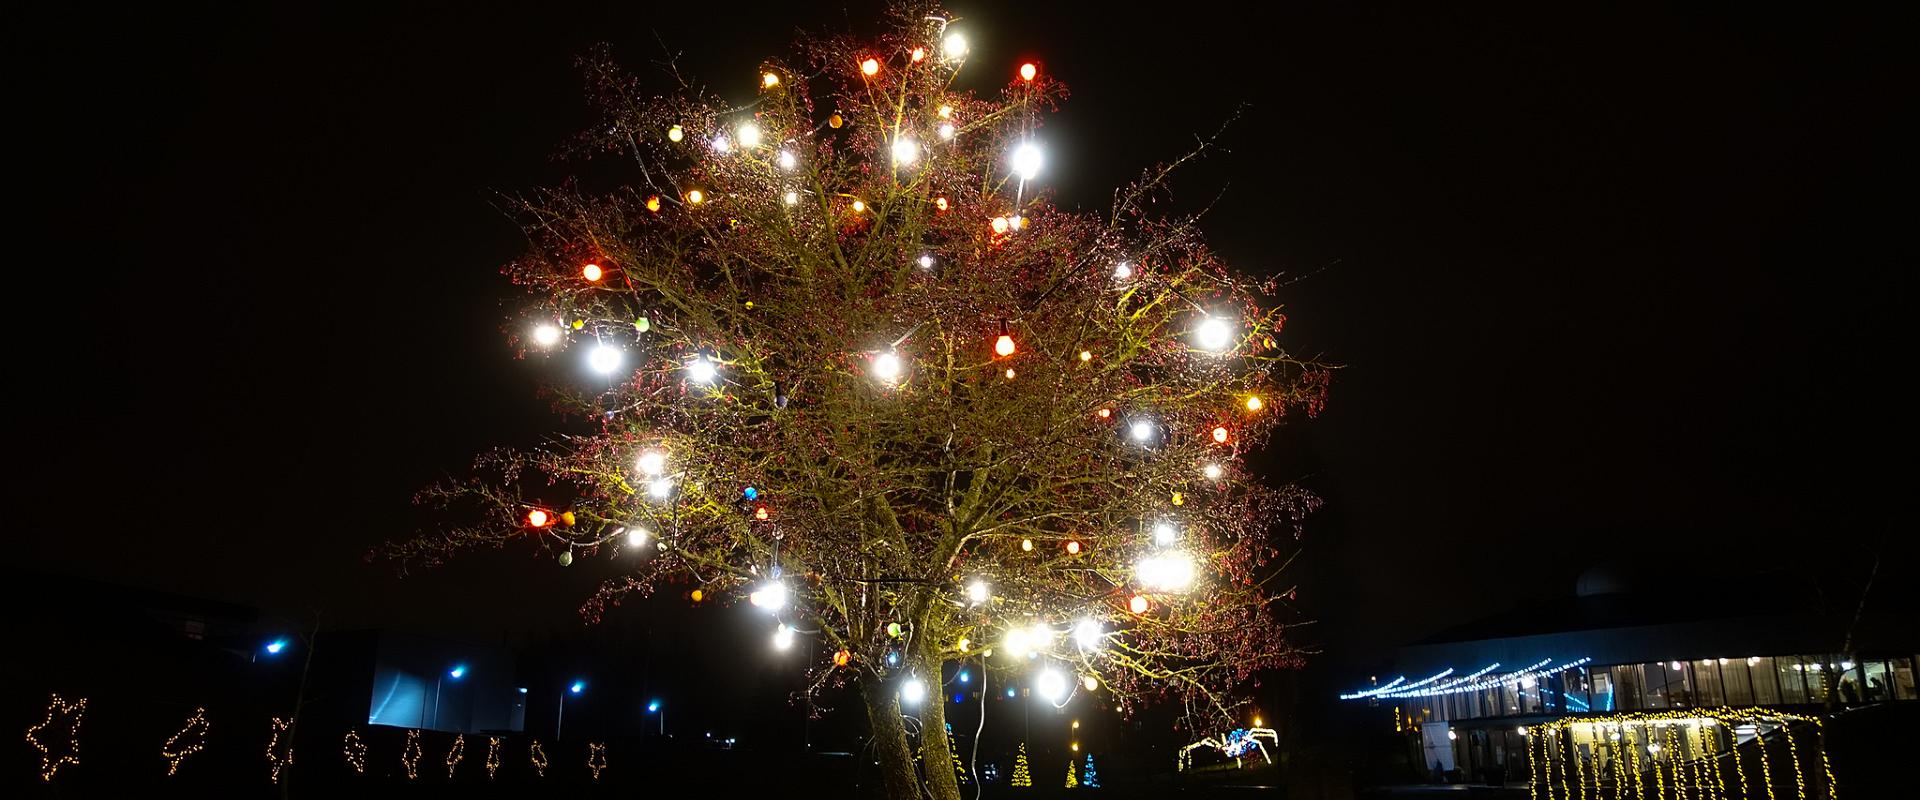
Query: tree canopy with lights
pixel 842 358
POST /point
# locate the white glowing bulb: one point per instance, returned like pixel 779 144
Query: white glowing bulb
pixel 926 261
pixel 700 370
pixel 1051 685
pixel 977 592
pixel 905 151
pixel 652 462
pixel 782 637
pixel 1040 636
pixel 721 145
pixel 1653 747
pixel 604 359
pixel 912 691
pixel 1088 634
pixel 788 161
pixel 1163 534
pixel 955 45
pixel 660 488
pixel 1016 642
pixel 546 335
pixel 946 130
pixel 1171 572
pixel 1122 271
pixel 1212 471
pixel 886 367
pixel 1142 430
pixel 793 198
pixel 749 135
pixel 772 596
pixel 1214 333
pixel 1026 161
pixel 636 536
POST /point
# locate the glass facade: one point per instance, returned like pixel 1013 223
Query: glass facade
pixel 1701 683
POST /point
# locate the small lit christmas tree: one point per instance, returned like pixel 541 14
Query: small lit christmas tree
pixel 1072 782
pixel 1021 778
pixel 1089 779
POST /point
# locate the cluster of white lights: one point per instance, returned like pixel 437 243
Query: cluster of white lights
pixel 1166 572
pixel 1212 471
pixel 913 690
pixel 546 335
pixel 1088 634
pixel 905 151
pixel 1122 271
pixel 1027 160
pixel 700 370
pixel 652 462
pixel 749 135
pixel 1164 534
pixel 772 596
pixel 605 359
pixel 977 592
pixel 1477 681
pixel 1028 641
pixel 788 161
pixel 783 637
pixel 1214 333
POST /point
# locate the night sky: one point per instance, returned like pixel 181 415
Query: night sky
pixel 1606 285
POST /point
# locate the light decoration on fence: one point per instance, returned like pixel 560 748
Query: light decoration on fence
pixel 62 718
pixel 456 753
pixel 410 755
pixel 596 758
pixel 1437 684
pixel 195 735
pixel 1234 744
pixel 1681 749
pixel 537 756
pixel 280 754
pixel 354 751
pixel 493 756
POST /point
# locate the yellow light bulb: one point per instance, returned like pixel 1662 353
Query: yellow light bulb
pixel 870 67
pixel 769 80
pixel 1254 403
pixel 1086 355
pixel 675 134
pixel 859 207
pixel 696 197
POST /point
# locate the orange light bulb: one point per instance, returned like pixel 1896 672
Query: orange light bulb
pixel 591 272
pixel 1026 545
pixel 1254 403
pixel 1028 71
pixel 760 513
pixel 538 518
pixel 1105 413
pixel 940 203
pixel 696 595
pixel 1004 346
pixel 919 54
pixel 696 197
pixel 870 67
pixel 653 204
pixel 769 80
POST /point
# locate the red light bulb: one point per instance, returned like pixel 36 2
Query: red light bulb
pixel 1028 71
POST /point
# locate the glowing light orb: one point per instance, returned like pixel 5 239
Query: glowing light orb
pixel 1168 572
pixel 1026 545
pixel 749 135
pixel 1088 634
pixel 772 596
pixel 1073 548
pixel 769 80
pixel 1122 271
pixel 919 54
pixel 793 198
pixel 546 335
pixel 1011 373
pixel 1254 403
pixel 1004 345
pixel 1027 159
pixel 894 630
pixel 722 144
pixel 841 658
pixel 652 462
pixel 912 691
pixel 834 121
pixel 1220 434
pixel 1086 355
pixel 274 647
pixel 1028 71
pixel 636 536
pixel 787 160
pixel 1214 333
pixel 676 133
pixel 605 359
pixel 954 46
pixel 946 112
pixel 539 518
pixel 926 261
pixel 1142 430
pixel 782 637
pixel 940 203
pixel 660 488
pixel 999 224
pixel 592 272
pixel 859 206
pixel 886 367
pixel 905 151
pixel 1212 471
pixel 947 130
pixel 653 203
pixel 870 67
pixel 1164 534
pixel 760 513
pixel 696 197
pixel 700 370
pixel 1090 683
pixel 977 592
pixel 1051 685
pixel 1137 604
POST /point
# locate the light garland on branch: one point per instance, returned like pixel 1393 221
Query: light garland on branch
pixel 456 753
pixel 175 750
pixel 596 758
pixel 60 714
pixel 280 755
pixel 410 755
pixel 354 751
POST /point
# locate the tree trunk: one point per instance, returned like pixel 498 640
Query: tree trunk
pixel 935 756
pixel 889 739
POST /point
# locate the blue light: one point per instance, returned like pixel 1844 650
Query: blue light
pixel 653 706
pixel 577 687
pixel 893 658
pixel 751 493
pixel 965 676
pixel 523 690
pixel 274 647
pixel 1010 692
pixel 959 698
pixel 459 671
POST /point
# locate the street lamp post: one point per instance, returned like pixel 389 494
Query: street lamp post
pixel 656 707
pixel 561 717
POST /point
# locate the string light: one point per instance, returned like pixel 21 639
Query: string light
pixel 1212 471
pixel 999 224
pixel 410 755
pixel 1004 345
pixel 912 691
pixel 945 112
pixel 196 729
pixel 870 67
pixel 783 637
pixel 940 203
pixel 722 145
pixel 1122 271
pixel 886 366
pixel 279 757
pixel 1164 534
pixel 1142 430
pixel 905 151
pixel 1026 545
pixel 749 135
pixel 1254 403
pixel 696 197
pixel 1086 355
pixel 456 753
pixel 793 198
pixel 546 335
pixel 605 358
pixel 787 161
pixel 1073 547
pixel 1028 71
pixel 859 206
pixel 1027 160
pixel 769 80
pixel 1167 572
pixel 1213 333
pixel 1088 635
pixel 493 756
pixel 354 751
pixel 1220 434
pixel 1137 604
pixel 955 46
pixel 700 370
pixel 592 272
pixel 918 55
pixel 1050 685
pixel 60 714
pixel 977 592
pixel 676 133
pixel 537 756
pixel 947 130
pixel 637 537
pixel 596 758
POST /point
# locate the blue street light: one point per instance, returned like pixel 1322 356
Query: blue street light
pixel 653 706
pixel 523 690
pixel 577 687
pixel 459 671
pixel 1010 692
pixel 274 647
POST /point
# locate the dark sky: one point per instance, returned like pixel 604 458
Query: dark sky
pixel 1608 284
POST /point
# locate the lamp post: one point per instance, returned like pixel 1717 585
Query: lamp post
pixel 656 707
pixel 560 717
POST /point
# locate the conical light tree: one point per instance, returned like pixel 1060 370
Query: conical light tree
pixel 1022 775
pixel 842 357
pixel 1072 781
pixel 1089 777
